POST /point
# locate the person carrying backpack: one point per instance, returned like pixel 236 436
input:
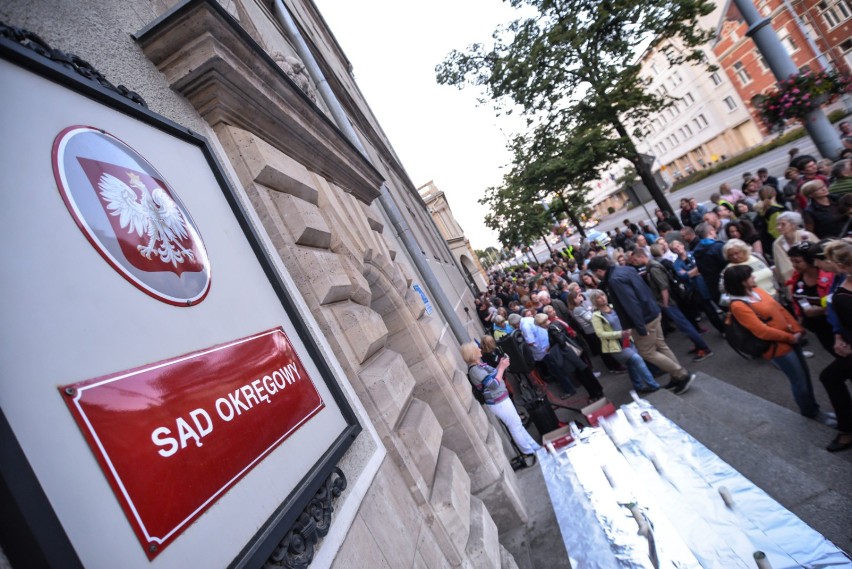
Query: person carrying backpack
pixel 755 310
pixel 658 280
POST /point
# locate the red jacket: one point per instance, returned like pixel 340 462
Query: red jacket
pixel 824 281
pixel 768 320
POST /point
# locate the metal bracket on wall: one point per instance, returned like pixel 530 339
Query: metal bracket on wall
pixel 296 550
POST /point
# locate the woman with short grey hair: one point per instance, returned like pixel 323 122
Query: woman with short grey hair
pixel 738 252
pixel 789 225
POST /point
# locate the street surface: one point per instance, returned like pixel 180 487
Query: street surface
pixel 776 161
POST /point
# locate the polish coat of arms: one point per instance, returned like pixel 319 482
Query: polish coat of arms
pixel 131 215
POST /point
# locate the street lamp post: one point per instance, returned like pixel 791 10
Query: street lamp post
pixel 782 65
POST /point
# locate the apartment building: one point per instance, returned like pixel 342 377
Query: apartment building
pixel 816 35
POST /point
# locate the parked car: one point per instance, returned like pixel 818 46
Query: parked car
pixel 599 236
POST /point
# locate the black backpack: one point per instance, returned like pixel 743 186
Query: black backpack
pixel 520 354
pixel 742 340
pixel 681 292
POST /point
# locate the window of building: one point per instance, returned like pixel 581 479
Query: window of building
pixel 834 12
pixel 741 73
pixel 700 122
pixel 762 63
pixel 847 52
pixel 676 79
pixel 688 98
pixel 714 77
pixel 730 103
pixel 654 69
pixel 787 42
pixel 674 138
pixel 687 129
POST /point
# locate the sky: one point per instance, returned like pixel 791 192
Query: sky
pixel 439 132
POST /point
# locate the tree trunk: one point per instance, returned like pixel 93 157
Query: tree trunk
pixel 547 243
pixel 643 169
pixel 572 216
pixel 577 223
pixel 534 257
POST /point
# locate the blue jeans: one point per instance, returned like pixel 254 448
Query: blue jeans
pixel 639 373
pixel 677 317
pixel 795 367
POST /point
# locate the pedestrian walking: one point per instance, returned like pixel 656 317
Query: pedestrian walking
pixel 637 310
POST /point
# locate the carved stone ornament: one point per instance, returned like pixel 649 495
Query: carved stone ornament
pixel 296 550
pixel 29 40
pixel 295 70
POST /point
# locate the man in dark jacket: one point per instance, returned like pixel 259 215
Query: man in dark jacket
pixel 639 312
pixel 709 258
pixel 689 238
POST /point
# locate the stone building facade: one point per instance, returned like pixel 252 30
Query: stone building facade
pixel 430 485
pixel 453 234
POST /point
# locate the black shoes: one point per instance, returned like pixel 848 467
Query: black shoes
pixel 680 386
pixel 684 384
pixel 837 446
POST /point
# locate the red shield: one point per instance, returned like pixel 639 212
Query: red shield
pixel 133 243
pixel 131 215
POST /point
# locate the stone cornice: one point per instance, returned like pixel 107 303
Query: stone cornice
pixel 208 58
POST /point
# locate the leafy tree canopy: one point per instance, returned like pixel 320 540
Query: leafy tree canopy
pixel 573 67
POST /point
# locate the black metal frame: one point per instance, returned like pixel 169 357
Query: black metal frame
pixel 28 525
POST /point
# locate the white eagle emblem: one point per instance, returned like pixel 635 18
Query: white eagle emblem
pixel 154 214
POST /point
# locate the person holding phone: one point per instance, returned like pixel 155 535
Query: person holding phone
pixel 490 381
pixel 761 314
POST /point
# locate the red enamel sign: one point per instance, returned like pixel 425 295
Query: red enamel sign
pixel 173 436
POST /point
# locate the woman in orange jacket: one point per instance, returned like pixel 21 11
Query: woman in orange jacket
pixel 765 318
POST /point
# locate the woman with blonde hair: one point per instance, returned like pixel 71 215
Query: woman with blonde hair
pixel 836 375
pixel 489 381
pixel 617 343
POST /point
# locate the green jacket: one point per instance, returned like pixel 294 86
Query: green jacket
pixel 841 186
pixel 610 338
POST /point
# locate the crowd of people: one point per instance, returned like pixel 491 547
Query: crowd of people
pixel 773 256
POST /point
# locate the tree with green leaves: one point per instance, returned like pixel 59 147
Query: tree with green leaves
pixel 558 170
pixel 517 218
pixel 573 67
